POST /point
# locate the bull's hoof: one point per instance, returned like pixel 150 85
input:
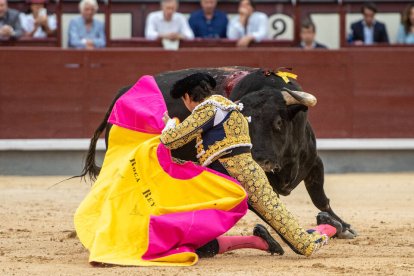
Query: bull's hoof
pixel 326 218
pixel 347 234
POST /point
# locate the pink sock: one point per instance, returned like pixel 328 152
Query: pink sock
pixel 327 229
pixel 229 243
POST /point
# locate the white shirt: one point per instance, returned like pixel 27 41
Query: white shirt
pixel 256 26
pixel 27 21
pixel 156 25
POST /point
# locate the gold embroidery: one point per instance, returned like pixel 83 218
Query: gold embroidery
pixel 266 202
pixel 236 129
pixel 189 129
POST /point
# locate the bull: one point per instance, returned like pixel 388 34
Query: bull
pixel 284 143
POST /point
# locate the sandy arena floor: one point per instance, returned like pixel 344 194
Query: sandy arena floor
pixel 37 234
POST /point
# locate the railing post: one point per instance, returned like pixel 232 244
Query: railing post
pixel 297 20
pixel 342 24
pixel 58 13
pixel 108 22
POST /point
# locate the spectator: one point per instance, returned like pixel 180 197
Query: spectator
pixel 249 25
pixel 10 26
pixel 307 36
pixel 368 31
pixel 85 32
pixel 406 31
pixel 208 22
pixel 37 23
pixel 167 23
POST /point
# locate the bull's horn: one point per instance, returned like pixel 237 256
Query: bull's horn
pixel 298 97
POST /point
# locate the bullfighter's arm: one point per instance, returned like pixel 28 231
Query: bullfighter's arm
pixel 176 136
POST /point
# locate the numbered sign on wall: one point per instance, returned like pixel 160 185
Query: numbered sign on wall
pixel 281 27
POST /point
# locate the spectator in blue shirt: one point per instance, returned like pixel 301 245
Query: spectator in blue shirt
pixel 406 30
pixel 85 32
pixel 208 22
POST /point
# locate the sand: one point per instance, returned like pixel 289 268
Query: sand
pixel 37 234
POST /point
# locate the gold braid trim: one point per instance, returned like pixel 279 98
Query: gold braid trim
pixel 266 202
pixel 220 102
pixel 189 129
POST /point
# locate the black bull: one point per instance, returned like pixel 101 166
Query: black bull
pixel 283 140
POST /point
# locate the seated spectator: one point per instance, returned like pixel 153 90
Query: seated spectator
pixel 249 25
pixel 368 31
pixel 406 31
pixel 167 23
pixel 37 23
pixel 85 32
pixel 307 36
pixel 10 26
pixel 208 22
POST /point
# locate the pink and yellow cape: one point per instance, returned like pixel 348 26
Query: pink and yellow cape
pixel 144 209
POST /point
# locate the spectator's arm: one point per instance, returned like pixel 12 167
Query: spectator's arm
pixel 150 30
pixel 261 33
pixel 51 26
pixel 193 26
pixel 75 40
pixel 186 31
pixel 100 41
pixel 18 30
pixel 223 32
pixel 385 35
pixel 235 30
pixel 25 24
pixel 351 36
pixel 401 35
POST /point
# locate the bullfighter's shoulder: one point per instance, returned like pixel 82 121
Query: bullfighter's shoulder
pixel 218 101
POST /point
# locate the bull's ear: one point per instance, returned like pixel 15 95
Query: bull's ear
pixel 294 109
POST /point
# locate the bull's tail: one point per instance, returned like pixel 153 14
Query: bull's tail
pixel 90 168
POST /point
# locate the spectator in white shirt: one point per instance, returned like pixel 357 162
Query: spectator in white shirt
pixel 38 23
pixel 167 23
pixel 249 25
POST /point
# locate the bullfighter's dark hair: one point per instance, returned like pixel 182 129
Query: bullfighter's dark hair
pixel 198 86
pixel 369 6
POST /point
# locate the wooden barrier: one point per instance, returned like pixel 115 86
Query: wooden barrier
pixel 54 93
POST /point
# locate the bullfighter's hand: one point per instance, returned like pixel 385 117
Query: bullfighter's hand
pixel 165 117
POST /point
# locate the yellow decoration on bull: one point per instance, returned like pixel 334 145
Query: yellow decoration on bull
pixel 286 75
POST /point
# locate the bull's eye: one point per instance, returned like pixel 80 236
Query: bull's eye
pixel 278 124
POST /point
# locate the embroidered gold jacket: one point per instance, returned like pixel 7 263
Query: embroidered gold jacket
pixel 217 125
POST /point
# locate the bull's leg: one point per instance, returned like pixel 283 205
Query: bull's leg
pixel 314 184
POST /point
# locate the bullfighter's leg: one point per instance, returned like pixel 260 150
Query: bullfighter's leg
pixel 266 203
pixel 314 184
pixel 261 240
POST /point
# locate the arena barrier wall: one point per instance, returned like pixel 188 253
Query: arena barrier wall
pixel 48 93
